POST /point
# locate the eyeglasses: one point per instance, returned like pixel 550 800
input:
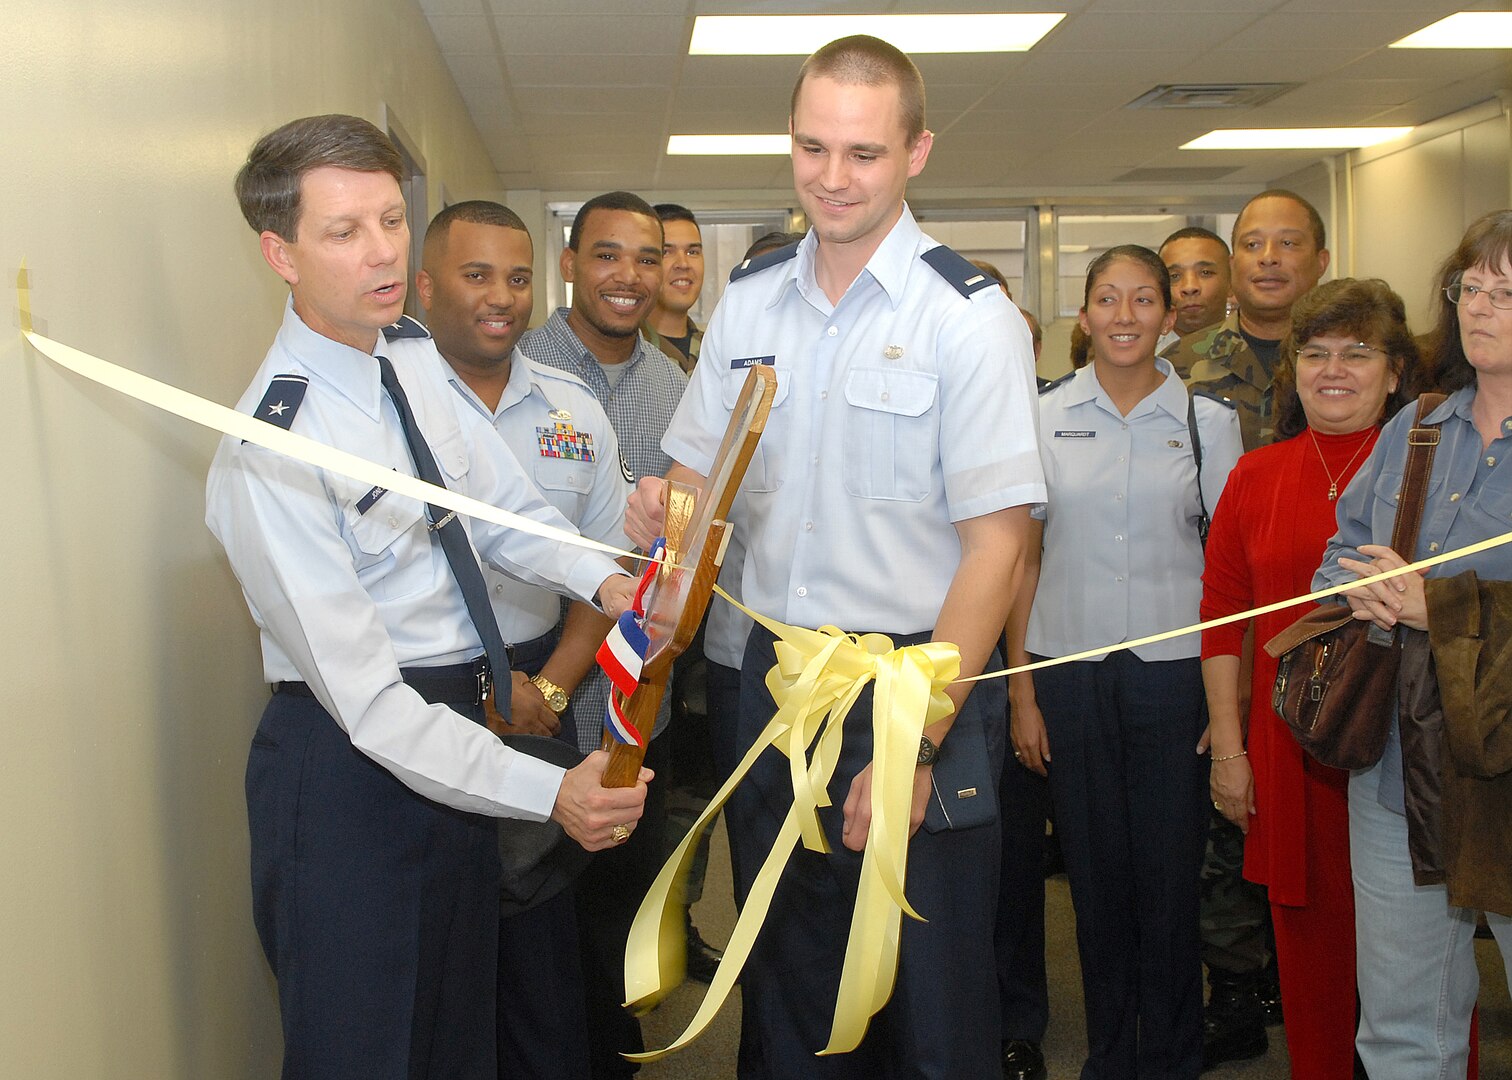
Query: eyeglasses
pixel 1460 293
pixel 1352 355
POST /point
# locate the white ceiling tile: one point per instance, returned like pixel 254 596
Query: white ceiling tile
pixel 541 35
pixel 615 69
pixel 1115 32
pixel 646 102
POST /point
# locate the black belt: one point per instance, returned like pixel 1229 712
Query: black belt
pixel 454 684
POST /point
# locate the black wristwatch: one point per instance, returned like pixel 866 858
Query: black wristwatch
pixel 928 750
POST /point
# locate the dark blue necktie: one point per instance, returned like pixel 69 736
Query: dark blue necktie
pixel 453 537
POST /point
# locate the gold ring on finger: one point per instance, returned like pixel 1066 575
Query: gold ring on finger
pixel 619 834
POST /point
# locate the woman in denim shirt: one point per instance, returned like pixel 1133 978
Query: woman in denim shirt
pixel 1417 974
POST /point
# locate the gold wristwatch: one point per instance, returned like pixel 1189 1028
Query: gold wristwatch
pixel 555 696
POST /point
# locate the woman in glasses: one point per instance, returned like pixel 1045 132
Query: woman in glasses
pixel 1416 968
pixel 1341 374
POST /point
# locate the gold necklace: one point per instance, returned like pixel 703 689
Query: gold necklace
pixel 1333 481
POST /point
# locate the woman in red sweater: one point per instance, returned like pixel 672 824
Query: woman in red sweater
pixel 1342 373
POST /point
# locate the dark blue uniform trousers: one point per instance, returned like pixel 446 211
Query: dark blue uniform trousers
pixel 1131 802
pixel 543 1016
pixel 378 909
pixel 942 1020
pixel 1023 986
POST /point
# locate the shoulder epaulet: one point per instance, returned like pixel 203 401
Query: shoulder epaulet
pixel 955 268
pixel 761 262
pixel 1219 398
pixel 285 395
pixel 1067 377
pixel 406 327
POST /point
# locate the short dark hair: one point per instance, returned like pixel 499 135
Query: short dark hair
pixel 1363 308
pixel 994 273
pixel 1195 232
pixel 861 60
pixel 1081 347
pixel 610 200
pixel 671 211
pixel 268 183
pixel 770 242
pixel 1134 253
pixel 1487 243
pixel 1314 219
pixel 1036 335
pixel 472 212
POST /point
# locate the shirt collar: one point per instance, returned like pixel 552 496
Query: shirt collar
pixel 517 389
pixel 889 266
pixel 1171 395
pixel 350 371
pixel 569 343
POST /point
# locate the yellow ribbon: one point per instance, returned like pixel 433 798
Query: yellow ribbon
pixel 816 680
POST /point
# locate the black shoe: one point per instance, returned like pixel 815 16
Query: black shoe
pixel 1023 1060
pixel 1269 992
pixel 703 958
pixel 1233 1024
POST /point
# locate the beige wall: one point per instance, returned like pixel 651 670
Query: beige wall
pixel 129 664
pixel 1397 210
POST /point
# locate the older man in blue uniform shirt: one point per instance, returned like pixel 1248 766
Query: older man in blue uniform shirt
pixel 372 783
pixel 890 492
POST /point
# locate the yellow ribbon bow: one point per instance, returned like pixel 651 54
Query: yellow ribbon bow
pixel 818 676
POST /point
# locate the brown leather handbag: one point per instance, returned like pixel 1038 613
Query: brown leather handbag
pixel 1336 681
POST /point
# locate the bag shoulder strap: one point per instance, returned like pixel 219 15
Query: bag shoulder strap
pixel 1422 442
pixel 1206 519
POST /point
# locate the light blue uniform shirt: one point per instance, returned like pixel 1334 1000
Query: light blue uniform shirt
pixel 590 494
pixel 347 588
pixel 1469 499
pixel 900 410
pixel 1122 558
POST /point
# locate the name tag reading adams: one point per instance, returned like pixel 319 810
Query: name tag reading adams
pixel 743 362
pixel 1068 434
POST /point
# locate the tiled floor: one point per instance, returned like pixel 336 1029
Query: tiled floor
pixel 712 1057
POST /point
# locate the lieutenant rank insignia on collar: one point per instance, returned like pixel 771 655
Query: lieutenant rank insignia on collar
pixel 285 395
pixel 562 441
pixel 955 268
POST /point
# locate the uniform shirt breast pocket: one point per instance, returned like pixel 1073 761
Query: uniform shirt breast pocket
pixel 891 434
pixel 392 548
pixel 565 483
pixel 764 473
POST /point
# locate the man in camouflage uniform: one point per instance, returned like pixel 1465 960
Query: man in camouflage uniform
pixel 1279 254
pixel 668 325
pixel 1198 262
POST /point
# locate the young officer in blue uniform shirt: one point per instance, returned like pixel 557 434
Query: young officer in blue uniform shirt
pixel 889 493
pixel 372 783
pixel 477 291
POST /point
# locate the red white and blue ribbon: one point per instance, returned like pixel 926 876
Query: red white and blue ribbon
pixel 623 654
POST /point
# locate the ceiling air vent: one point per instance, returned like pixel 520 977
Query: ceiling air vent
pixel 1210 96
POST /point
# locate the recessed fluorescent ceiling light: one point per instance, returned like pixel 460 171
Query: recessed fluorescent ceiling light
pixel 799 35
pixel 730 144
pixel 1463 30
pixel 1344 138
